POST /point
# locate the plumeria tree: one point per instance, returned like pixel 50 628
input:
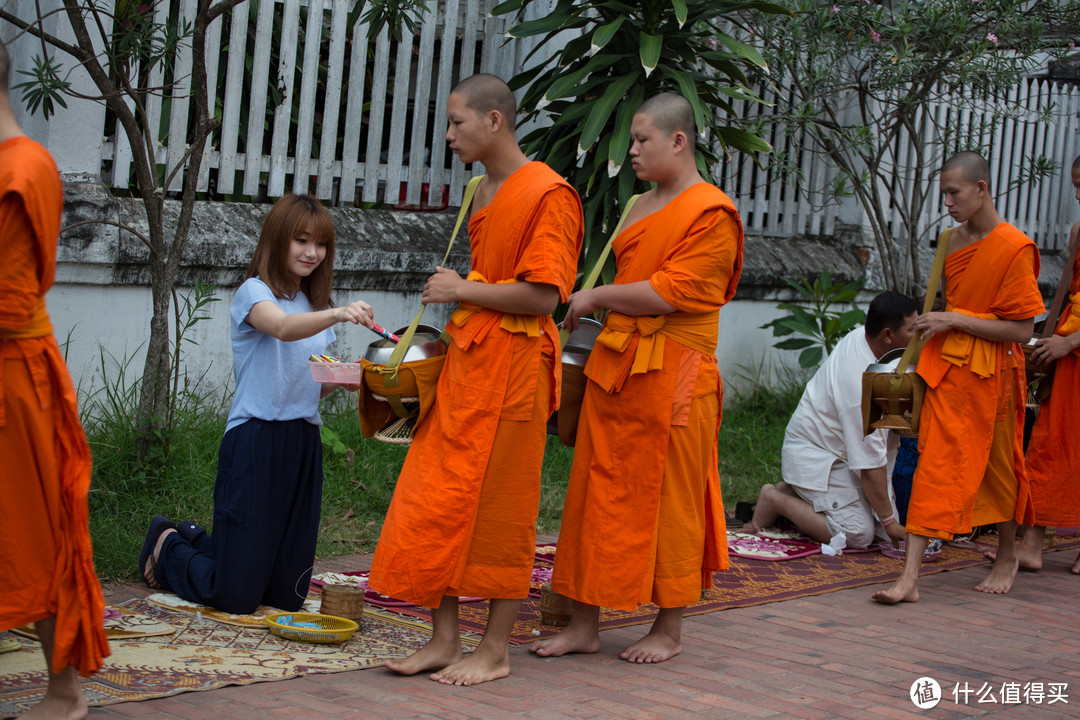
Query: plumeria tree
pixel 857 82
pixel 584 95
pixel 130 56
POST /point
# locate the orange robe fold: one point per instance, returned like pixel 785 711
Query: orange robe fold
pixel 1053 454
pixel 971 464
pixel 463 517
pixel 46 559
pixel 643 519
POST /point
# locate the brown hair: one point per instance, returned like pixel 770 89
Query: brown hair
pixel 289 218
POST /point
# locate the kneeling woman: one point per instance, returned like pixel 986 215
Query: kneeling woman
pixel 268 494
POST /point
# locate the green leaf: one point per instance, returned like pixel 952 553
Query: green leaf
pixel 742 50
pixel 799 326
pixel 624 118
pixel 546 24
pixel 507 7
pixel 680 11
pixel 603 34
pixel 563 86
pixel 649 51
pixel 794 344
pixel 602 110
pixel 742 140
pixel 810 357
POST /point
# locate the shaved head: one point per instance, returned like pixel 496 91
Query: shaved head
pixel 972 166
pixel 484 93
pixel 671 113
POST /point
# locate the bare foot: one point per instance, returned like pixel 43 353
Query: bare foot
pixel 430 657
pixel 151 563
pixel 653 648
pixel 1000 579
pixel 750 528
pixel 1076 566
pixel 898 593
pixel 479 667
pixel 63 699
pixel 568 641
pixel 1028 561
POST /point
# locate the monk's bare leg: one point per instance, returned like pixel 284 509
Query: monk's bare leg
pixel 1029 552
pixel 1076 566
pixel 444 647
pixel 663 642
pixel 906 588
pixel 491 660
pixel 1006 563
pixel 582 635
pixel 64 698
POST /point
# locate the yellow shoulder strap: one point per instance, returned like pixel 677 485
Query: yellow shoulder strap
pixel 406 337
pixel 935 279
pixel 594 273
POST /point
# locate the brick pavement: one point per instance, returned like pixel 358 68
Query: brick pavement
pixel 837 655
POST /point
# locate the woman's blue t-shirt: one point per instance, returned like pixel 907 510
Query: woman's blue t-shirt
pixel 273 381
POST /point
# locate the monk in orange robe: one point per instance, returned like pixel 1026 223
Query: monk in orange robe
pixel 1053 453
pixel 463 517
pixel 643 519
pixel 46 562
pixel 971 467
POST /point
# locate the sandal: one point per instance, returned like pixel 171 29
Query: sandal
pixel 158 525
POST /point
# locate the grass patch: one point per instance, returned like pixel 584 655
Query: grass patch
pixel 750 439
pixel 359 475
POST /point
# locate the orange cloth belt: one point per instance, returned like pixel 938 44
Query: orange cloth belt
pixel 1071 322
pixel 695 331
pixel 39 326
pixel 961 348
pixel 528 324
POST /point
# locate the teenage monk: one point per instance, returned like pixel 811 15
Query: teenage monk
pixel 46 562
pixel 1053 454
pixel 463 517
pixel 643 519
pixel 971 464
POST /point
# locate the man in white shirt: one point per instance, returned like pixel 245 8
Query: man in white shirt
pixel 836 479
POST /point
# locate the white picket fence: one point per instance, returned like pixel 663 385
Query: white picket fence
pixel 383 141
pixel 771 203
pixel 385 133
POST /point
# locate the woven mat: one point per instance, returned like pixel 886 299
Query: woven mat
pixel 257 619
pixel 748 582
pixel 205 656
pixel 121 623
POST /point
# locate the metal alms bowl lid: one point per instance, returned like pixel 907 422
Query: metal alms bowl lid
pixel 888 362
pixel 425 344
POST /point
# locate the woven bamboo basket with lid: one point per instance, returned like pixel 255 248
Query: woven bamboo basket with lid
pixel 555 609
pixel 345 601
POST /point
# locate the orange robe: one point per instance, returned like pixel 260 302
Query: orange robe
pixel 46 561
pixel 463 517
pixel 971 463
pixel 643 519
pixel 1053 454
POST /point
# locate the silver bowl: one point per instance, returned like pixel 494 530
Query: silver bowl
pixel 888 362
pixel 425 344
pixel 581 341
